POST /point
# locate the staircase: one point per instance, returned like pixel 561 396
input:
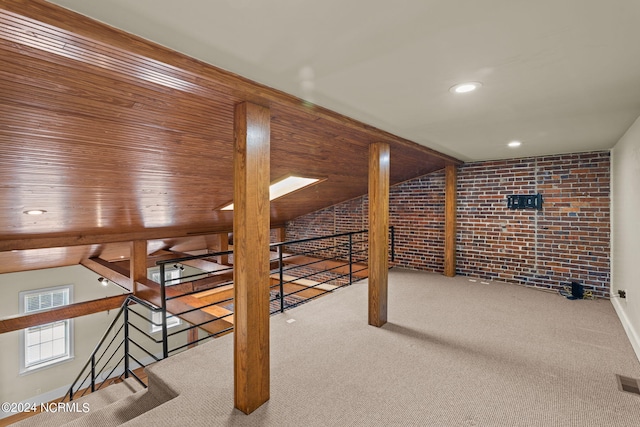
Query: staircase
pixel 111 406
pixel 295 279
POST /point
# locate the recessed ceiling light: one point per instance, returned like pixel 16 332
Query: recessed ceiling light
pixel 35 212
pixel 465 87
pixel 514 144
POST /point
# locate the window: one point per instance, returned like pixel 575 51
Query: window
pixel 156 317
pixel 171 277
pixel 48 344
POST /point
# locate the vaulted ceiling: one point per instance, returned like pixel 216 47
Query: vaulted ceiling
pixel 561 76
pixel 117 138
pixel 120 138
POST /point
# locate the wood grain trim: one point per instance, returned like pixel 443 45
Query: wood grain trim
pixel 379 166
pixel 109 271
pixel 8 243
pixel 179 71
pixel 138 263
pixel 251 256
pixel 62 313
pixel 450 220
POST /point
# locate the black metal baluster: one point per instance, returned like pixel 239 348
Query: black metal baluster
pixel 93 373
pixel 281 266
pixel 350 259
pixel 126 341
pixel 163 300
pixel 393 243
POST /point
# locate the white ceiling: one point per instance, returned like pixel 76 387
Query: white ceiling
pixel 559 75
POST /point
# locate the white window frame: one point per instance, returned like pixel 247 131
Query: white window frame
pixel 156 319
pixel 156 316
pixel 169 274
pixel 28 367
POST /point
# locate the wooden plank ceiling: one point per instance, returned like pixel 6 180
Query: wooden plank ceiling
pixel 118 139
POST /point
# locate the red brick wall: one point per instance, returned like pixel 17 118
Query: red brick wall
pixel 568 240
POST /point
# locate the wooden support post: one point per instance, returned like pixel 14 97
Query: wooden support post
pixel 450 194
pixel 192 337
pixel 251 217
pixel 379 161
pixel 219 243
pixel 138 263
pixel 281 236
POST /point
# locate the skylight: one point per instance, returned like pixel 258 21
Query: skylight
pixel 283 187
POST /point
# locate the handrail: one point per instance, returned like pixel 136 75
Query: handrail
pixel 329 274
pixel 94 359
pixel 104 337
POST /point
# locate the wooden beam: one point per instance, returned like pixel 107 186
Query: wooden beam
pixel 379 162
pixel 159 256
pixel 450 196
pixel 138 263
pixel 109 271
pixel 192 337
pixel 251 256
pixel 219 243
pixel 62 313
pixel 40 241
pixel 150 291
pixel 204 264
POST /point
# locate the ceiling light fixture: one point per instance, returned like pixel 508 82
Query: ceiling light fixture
pixel 465 87
pixel 514 144
pixel 103 281
pixel 35 212
pixel 283 187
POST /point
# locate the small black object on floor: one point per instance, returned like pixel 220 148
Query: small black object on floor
pixel 577 291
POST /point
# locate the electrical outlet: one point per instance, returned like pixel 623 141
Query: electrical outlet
pixel 622 293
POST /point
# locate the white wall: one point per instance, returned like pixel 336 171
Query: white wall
pixel 625 233
pixel 87 331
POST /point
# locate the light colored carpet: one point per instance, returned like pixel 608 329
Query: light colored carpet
pixel 454 353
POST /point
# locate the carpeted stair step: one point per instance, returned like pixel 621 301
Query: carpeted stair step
pixel 93 401
pixel 128 407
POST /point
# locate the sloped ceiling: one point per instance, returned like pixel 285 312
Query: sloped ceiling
pixel 118 139
pixel 560 76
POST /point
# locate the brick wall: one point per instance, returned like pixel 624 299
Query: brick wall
pixel 568 240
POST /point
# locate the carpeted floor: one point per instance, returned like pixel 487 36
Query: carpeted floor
pixel 454 353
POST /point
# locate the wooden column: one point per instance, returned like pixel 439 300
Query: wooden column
pixel 192 337
pixel 138 263
pixel 378 232
pixel 450 195
pixel 219 243
pixel 251 256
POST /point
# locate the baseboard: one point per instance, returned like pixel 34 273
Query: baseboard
pixel 632 334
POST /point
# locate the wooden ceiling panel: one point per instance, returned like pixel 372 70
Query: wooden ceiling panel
pixel 118 139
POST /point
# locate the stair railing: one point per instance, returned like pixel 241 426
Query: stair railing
pixel 314 267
